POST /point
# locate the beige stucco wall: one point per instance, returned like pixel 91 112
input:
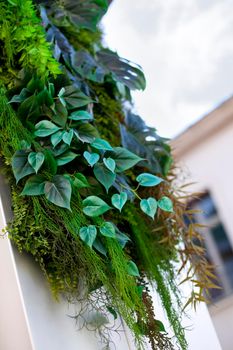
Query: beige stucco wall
pixel 210 164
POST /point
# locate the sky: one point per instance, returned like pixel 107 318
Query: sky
pixel 186 51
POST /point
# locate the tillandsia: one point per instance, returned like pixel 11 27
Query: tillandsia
pixel 91 183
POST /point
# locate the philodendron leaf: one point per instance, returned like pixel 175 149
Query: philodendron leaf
pixel 91 158
pixel 149 206
pixel 98 245
pixel 86 133
pixel 80 115
pixel 101 144
pixel 119 200
pixel 124 159
pixel 45 128
pixel 94 206
pixel 80 181
pixel 88 234
pixel 34 186
pixel 108 230
pixel 165 204
pixel 104 176
pixel 65 158
pixel 148 180
pixel 36 159
pixel 110 164
pixel 20 165
pixel 67 136
pixel 74 98
pixel 58 191
pixel 57 137
pixel 132 269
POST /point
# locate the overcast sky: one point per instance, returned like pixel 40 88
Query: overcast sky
pixel 186 51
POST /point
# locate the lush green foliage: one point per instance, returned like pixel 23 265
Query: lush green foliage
pixel 89 179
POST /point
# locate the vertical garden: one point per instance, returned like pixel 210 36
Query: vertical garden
pixel 92 185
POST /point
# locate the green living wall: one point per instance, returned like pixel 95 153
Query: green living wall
pixel 92 185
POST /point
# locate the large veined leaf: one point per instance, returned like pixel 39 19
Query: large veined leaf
pixel 88 234
pixel 86 133
pixel 105 176
pixel 34 186
pixel 122 70
pixel 87 66
pixel 145 142
pixel 94 206
pixel 20 165
pixel 124 159
pixel 73 97
pixel 80 13
pixel 58 191
pixel 45 128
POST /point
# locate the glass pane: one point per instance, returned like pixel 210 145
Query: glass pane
pixel 225 250
pixel 207 205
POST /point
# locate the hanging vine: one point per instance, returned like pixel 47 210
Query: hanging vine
pixel 91 184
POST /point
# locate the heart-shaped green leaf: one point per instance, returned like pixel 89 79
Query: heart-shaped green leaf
pixel 110 164
pixel 65 158
pixel 94 206
pixel 108 230
pixel 165 204
pixel 149 206
pixel 148 180
pixel 58 191
pixel 88 234
pixel 91 158
pixel 132 269
pixel 57 137
pixel 124 159
pixel 104 176
pixel 80 181
pixel 98 245
pixel 20 165
pixel 34 186
pixel 80 115
pixel 45 128
pixel 119 200
pixel 86 133
pixel 101 144
pixel 36 159
pixel 67 136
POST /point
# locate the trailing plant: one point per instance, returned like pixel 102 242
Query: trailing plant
pixel 91 184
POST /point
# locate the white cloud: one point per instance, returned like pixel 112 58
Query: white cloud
pixel 186 51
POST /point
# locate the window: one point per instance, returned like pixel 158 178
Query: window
pixel 218 247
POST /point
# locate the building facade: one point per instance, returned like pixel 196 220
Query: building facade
pixel 205 151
